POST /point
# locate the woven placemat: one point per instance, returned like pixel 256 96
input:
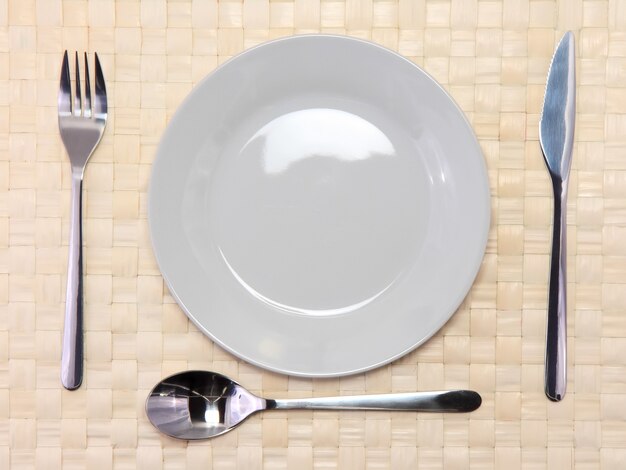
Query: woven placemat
pixel 493 57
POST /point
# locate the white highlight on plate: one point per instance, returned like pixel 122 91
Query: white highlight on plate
pixel 294 309
pixel 323 133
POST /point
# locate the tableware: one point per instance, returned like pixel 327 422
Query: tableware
pixel 319 206
pixel 556 134
pixel 202 404
pixel 81 129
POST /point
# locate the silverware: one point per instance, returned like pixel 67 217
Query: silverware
pixel 556 134
pixel 202 404
pixel 81 129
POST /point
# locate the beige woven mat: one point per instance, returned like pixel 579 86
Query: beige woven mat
pixel 492 56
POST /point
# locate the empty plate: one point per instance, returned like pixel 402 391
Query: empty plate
pixel 319 206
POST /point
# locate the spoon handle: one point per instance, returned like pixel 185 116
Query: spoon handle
pixel 442 401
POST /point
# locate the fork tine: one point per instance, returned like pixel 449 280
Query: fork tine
pixel 77 94
pixel 87 110
pixel 65 89
pixel 100 98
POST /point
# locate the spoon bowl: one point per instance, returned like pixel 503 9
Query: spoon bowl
pixel 201 404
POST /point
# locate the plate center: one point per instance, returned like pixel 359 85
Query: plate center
pixel 318 211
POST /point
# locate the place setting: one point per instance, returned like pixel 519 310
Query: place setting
pixel 319 207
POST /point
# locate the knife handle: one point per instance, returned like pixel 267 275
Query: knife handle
pixel 556 340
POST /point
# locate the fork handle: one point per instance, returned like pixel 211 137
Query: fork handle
pixel 556 334
pixel 72 354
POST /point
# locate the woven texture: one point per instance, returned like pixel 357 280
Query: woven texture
pixel 493 57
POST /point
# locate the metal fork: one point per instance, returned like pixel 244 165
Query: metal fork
pixel 81 129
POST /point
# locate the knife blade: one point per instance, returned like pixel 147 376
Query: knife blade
pixel 556 135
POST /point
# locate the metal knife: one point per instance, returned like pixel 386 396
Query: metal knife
pixel 556 134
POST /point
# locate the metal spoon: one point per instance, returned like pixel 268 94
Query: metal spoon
pixel 202 404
